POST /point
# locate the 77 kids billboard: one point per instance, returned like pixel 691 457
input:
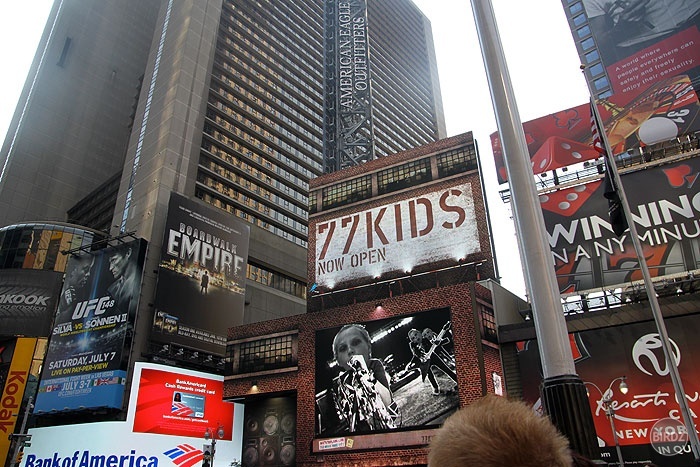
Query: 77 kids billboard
pixel 397 235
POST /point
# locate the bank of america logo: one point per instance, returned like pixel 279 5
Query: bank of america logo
pixel 185 455
pixel 181 409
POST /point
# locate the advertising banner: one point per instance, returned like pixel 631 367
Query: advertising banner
pixel 171 401
pixel 643 43
pixel 15 362
pixel 426 229
pixel 201 277
pixel 664 111
pixel 587 254
pixel 633 351
pixel 28 301
pixel 385 375
pixel 128 444
pixel 348 135
pixel 84 365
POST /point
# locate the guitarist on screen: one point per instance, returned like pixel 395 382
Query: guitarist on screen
pixel 429 353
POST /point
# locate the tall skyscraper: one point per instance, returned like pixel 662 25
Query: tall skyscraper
pixel 72 124
pixel 230 111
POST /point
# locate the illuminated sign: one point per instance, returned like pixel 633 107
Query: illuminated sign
pixel 171 402
pixel 588 255
pixel 639 44
pixel 379 376
pixel 634 351
pixel 15 380
pixel 664 111
pixel 28 301
pixel 433 227
pixel 95 445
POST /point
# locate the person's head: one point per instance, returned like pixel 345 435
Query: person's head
pixel 494 432
pixel 178 397
pixel 428 334
pixel 80 270
pixel 415 336
pixel 351 340
pixel 118 261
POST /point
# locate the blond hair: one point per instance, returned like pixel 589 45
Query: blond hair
pixel 497 432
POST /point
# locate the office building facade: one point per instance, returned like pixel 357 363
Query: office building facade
pixel 216 100
pixel 223 101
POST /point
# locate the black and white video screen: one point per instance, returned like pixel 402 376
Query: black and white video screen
pixel 389 374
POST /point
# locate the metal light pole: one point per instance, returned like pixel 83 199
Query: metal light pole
pixel 208 436
pixel 22 438
pixel 671 364
pixel 606 399
pixel 563 392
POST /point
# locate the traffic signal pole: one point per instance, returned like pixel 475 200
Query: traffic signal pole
pixel 21 438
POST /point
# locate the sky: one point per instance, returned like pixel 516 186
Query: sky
pixel 540 55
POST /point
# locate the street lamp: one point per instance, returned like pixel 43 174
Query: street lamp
pixel 208 436
pixel 606 400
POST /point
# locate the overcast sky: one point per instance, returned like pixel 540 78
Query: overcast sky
pixel 540 53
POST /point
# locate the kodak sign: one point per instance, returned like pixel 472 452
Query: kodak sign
pixel 14 390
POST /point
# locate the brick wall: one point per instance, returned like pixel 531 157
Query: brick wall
pixel 468 346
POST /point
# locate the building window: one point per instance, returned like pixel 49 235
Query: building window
pixel 347 192
pixel 488 323
pixel 265 354
pixel 587 44
pixel 592 56
pixel 579 20
pixel 576 8
pixel 596 70
pixel 312 202
pixel 455 162
pixel 276 280
pixel 601 83
pixel 403 176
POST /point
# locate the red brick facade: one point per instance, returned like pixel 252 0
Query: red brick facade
pixel 449 283
pixel 476 360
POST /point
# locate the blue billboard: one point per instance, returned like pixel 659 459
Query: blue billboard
pixel 86 361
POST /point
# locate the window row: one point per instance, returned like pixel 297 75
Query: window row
pixel 276 280
pixel 396 178
pixel 299 239
pixel 264 354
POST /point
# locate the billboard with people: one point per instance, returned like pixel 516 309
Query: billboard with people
pixel 201 276
pixel 86 360
pixel 641 42
pixel 384 375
